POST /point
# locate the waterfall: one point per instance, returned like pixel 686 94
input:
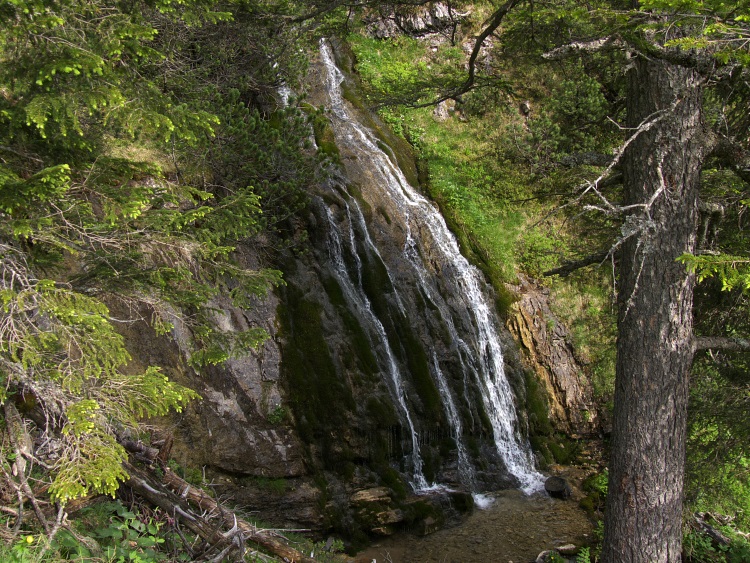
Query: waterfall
pixel 440 277
pixel 357 299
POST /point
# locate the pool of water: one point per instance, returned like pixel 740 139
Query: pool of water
pixel 513 528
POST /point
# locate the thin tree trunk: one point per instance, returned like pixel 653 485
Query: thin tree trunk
pixel 654 349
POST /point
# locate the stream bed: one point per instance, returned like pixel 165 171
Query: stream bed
pixel 515 528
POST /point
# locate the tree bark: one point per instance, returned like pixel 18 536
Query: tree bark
pixel 655 348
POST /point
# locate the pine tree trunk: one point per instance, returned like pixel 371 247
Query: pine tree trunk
pixel 654 349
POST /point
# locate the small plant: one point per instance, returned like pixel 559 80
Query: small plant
pixel 20 552
pixel 584 556
pixel 278 415
pixel 698 547
pixel 739 551
pixel 326 551
pixel 129 538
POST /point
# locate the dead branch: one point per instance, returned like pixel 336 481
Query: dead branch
pixel 577 47
pixel 22 447
pixel 492 24
pixel 175 495
pixel 721 343
pixel 716 536
pixel 569 267
pixel 141 452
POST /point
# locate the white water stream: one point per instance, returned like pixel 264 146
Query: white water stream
pixel 432 251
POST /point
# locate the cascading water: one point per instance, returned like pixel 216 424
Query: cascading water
pixel 357 299
pixel 441 279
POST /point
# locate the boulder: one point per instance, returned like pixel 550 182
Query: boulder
pixel 557 487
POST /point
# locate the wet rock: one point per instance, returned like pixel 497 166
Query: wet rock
pixel 568 549
pixel 377 512
pixel 375 494
pixel 390 517
pixel 428 526
pixel 291 503
pixel 558 487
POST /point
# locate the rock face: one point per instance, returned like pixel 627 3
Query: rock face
pixel 416 21
pixel 232 429
pixel 547 350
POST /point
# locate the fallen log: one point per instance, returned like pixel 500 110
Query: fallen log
pixel 175 495
pixel 716 536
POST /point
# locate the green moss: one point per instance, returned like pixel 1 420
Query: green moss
pixel 596 487
pixel 563 450
pixel 363 358
pixel 537 407
pixel 419 370
pixel 462 502
pixel 276 486
pixel 539 445
pixel 310 374
pixel 422 517
pixel 381 413
pixel 324 138
pixel 394 481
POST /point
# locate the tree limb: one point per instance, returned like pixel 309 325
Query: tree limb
pixel 493 23
pixel 577 47
pixel 569 267
pixel 721 343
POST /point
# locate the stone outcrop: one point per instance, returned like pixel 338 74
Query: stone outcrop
pixel 549 353
pixel 415 21
pixel 232 428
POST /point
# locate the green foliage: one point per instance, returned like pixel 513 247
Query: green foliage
pixel 278 415
pixel 579 107
pixel 399 69
pixel 597 483
pixel 325 551
pixel 127 537
pixel 732 271
pixel 22 551
pixel 724 37
pixel 699 547
pixel 93 97
pixel 264 161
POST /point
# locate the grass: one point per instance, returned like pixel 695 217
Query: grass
pixel 584 303
pixel 485 176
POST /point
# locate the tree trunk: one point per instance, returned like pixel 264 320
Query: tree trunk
pixel 654 348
